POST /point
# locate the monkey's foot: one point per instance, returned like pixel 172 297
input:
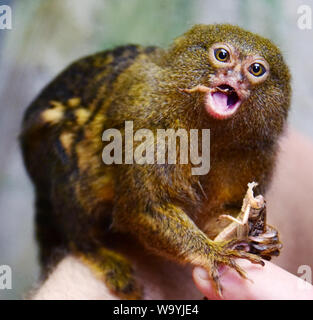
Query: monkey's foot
pixel 116 271
pixel 225 254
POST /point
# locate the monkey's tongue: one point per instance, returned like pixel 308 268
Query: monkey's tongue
pixel 222 105
pixel 220 101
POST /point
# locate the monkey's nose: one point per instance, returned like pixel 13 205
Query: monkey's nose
pixel 236 75
pixel 239 76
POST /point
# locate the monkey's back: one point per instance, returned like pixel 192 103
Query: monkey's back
pixel 61 145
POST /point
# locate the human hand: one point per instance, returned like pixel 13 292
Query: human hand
pixel 268 283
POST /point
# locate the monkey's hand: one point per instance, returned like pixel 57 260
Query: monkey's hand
pixel 224 254
pixel 266 244
pixel 251 225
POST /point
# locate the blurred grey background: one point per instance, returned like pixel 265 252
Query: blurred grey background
pixel 48 34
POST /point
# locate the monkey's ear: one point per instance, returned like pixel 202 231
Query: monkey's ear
pixel 198 34
pixel 198 29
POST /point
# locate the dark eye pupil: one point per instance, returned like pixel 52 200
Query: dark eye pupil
pixel 256 68
pixel 222 54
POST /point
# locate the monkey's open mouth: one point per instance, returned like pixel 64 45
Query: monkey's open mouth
pixel 222 102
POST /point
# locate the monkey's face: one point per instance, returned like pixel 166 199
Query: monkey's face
pixel 233 79
pixel 239 75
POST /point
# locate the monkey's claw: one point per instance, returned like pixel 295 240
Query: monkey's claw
pixel 226 257
pixel 266 244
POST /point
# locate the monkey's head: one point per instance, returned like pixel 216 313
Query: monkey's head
pixel 234 75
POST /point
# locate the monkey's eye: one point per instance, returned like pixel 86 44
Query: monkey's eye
pixel 257 69
pixel 221 55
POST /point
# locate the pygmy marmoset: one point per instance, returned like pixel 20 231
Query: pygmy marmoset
pixel 217 77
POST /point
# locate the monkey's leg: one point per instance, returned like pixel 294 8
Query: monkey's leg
pixel 168 231
pixel 115 270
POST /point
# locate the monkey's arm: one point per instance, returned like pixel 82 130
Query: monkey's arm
pixel 166 229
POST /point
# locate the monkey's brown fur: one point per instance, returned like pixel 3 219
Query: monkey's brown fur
pixel 164 206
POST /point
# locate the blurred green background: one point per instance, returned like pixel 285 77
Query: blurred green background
pixel 48 34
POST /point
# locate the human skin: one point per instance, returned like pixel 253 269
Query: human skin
pixel 265 283
pixel 72 280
